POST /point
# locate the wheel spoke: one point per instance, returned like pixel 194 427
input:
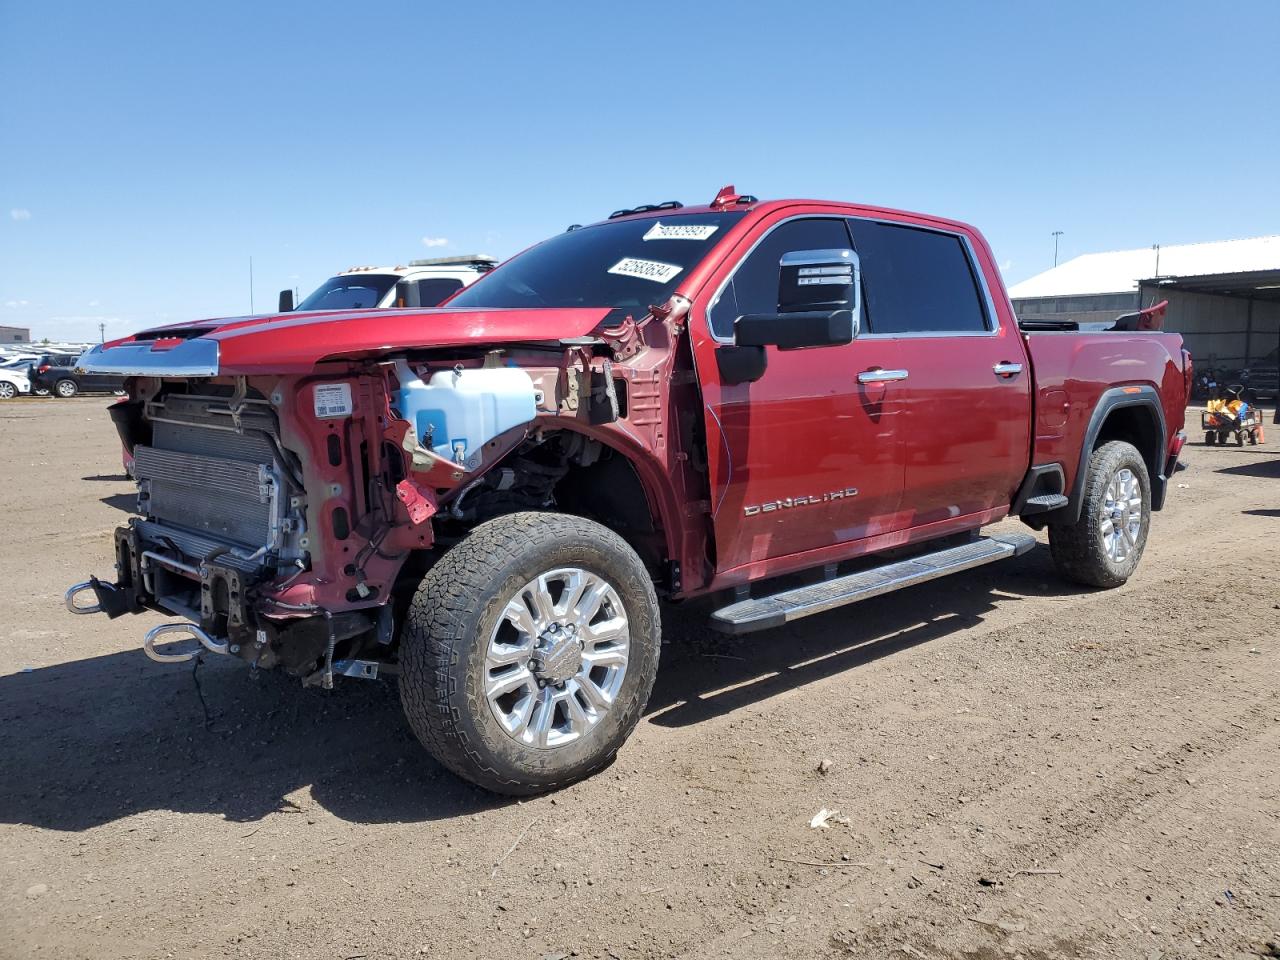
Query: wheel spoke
pixel 586 602
pixel 544 607
pixel 606 631
pixel 539 726
pixel 504 683
pixel 579 719
pixel 505 654
pixel 597 696
pixel 606 657
pixel 518 615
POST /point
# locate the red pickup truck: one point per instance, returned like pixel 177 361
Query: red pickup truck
pixel 790 404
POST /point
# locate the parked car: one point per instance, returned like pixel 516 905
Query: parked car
pixel 489 499
pixel 13 382
pixel 60 376
pixel 423 283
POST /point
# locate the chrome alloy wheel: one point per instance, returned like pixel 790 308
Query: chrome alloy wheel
pixel 1121 520
pixel 557 657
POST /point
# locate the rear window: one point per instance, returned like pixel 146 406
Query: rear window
pixel 917 281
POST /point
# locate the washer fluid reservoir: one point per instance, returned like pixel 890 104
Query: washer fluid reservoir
pixel 456 412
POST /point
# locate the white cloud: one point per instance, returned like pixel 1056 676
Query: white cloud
pixel 20 213
pixel 435 241
pixel 15 304
pixel 93 303
pixel 1006 266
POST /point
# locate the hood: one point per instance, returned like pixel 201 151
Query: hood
pixel 297 342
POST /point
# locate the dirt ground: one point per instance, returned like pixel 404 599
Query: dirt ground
pixel 1019 768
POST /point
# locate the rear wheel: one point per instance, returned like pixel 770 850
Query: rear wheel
pixel 66 389
pixel 1210 438
pixel 7 390
pixel 529 652
pixel 1102 548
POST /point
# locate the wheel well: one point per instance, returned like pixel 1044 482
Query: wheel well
pixel 1138 426
pixel 562 472
pixel 609 491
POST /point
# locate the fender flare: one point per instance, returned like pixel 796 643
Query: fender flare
pixel 1144 396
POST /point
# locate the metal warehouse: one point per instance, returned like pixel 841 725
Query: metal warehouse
pixel 1224 297
pixel 15 335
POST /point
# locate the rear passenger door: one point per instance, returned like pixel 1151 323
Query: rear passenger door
pixel 967 397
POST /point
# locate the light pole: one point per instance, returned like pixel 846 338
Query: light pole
pixel 1056 235
pixel 102 333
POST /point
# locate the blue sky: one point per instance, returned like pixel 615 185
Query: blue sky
pixel 148 150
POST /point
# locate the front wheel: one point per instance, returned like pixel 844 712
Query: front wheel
pixel 1102 548
pixel 66 389
pixel 529 652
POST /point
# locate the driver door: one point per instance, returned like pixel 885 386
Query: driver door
pixel 805 457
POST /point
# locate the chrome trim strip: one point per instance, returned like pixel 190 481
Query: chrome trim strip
pixel 197 357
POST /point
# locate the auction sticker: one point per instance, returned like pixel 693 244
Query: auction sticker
pixel 653 270
pixel 680 231
pixel 333 400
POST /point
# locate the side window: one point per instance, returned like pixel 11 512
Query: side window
pixel 753 287
pixel 917 281
pixel 434 290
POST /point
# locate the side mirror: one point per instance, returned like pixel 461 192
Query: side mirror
pixel 286 301
pixel 819 295
pixel 407 294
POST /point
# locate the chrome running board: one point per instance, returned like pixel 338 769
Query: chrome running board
pixel 762 613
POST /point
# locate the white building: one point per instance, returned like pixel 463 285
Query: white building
pixel 1224 297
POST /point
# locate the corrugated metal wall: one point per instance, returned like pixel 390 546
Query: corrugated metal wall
pixel 1217 329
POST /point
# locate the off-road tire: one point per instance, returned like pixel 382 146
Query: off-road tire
pixel 445 635
pixel 1077 548
pixel 65 389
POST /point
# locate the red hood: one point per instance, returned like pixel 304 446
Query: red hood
pixel 296 342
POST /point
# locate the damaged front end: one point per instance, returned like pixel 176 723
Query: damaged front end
pixel 273 516
pixel 287 518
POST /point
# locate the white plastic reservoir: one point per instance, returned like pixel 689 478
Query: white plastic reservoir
pixel 456 412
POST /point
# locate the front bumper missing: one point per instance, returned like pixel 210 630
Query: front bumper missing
pixel 215 601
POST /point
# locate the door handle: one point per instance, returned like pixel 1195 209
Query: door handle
pixel 877 375
pixel 1007 371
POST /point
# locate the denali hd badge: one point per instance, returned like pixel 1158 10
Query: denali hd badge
pixel 790 502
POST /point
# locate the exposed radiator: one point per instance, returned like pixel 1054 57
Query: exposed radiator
pixel 230 499
pixel 213 475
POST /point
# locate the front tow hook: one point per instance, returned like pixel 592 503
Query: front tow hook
pixel 108 599
pixel 210 643
pixel 79 588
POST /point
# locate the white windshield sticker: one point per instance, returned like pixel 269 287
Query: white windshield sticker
pixel 680 231
pixel 333 400
pixel 645 269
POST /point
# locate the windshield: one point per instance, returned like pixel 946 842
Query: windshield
pixel 355 292
pixel 625 264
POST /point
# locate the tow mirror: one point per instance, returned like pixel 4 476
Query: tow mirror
pixel 407 294
pixel 286 301
pixel 818 303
